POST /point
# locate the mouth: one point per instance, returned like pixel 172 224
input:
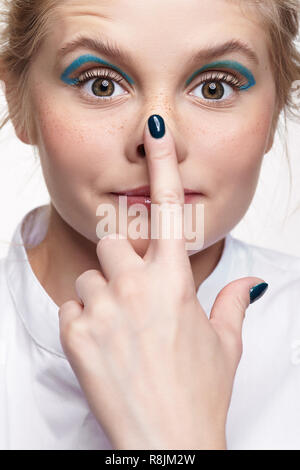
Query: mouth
pixel 141 195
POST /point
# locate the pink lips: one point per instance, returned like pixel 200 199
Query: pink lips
pixel 145 191
pixel 141 195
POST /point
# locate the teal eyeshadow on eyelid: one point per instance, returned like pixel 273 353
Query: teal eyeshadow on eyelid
pixel 230 64
pixel 82 60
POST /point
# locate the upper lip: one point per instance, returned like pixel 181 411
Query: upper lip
pixel 145 191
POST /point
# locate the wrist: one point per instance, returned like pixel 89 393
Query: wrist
pixel 209 441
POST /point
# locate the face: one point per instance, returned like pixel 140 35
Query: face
pixel 218 106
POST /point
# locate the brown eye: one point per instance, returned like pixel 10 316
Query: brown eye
pixel 213 90
pixel 103 87
pixel 101 84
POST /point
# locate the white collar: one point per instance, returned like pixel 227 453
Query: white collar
pixel 37 310
pixel 219 277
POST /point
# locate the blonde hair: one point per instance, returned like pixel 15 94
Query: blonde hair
pixel 24 24
pixel 280 19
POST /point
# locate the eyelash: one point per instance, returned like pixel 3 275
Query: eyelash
pixel 209 76
pixel 98 73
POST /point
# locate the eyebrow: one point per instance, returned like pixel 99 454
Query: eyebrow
pixel 101 45
pixel 233 45
pixel 109 48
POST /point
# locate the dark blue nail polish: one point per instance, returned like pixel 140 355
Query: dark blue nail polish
pixel 156 126
pixel 258 291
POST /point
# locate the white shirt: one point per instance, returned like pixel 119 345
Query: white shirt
pixel 42 405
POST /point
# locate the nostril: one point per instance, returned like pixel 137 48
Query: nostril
pixel 141 150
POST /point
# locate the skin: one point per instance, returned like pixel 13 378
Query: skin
pixel 219 150
pixel 94 146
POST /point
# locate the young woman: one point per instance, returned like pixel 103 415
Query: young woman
pixel 139 342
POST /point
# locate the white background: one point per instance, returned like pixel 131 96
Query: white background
pixel 270 221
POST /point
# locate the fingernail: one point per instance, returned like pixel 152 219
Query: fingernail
pixel 258 291
pixel 156 126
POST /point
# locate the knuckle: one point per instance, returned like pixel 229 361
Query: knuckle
pixel 182 286
pixel 126 287
pixel 77 328
pixel 186 292
pixel 234 340
pixel 110 322
pixel 74 332
pixel 67 306
pixel 68 311
pixel 239 303
pixel 105 239
pixel 99 308
pixel 163 153
pixel 87 277
pixel 104 319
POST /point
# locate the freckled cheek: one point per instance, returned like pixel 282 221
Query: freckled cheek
pixel 73 149
pixel 236 154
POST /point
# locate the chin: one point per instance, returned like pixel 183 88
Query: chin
pixel 193 252
pixel 141 246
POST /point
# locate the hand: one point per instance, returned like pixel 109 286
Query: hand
pixel 156 372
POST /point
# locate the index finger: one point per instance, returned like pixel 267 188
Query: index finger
pixel 166 192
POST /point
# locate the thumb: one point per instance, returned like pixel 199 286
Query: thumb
pixel 228 311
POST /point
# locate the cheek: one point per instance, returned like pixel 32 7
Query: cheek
pixel 72 148
pixel 236 153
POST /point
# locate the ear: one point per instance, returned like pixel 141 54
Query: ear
pixel 270 141
pixel 10 95
pixel 272 132
pixel 22 135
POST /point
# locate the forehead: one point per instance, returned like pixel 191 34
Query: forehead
pixel 156 26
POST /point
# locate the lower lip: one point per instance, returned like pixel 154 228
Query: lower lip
pixel 146 201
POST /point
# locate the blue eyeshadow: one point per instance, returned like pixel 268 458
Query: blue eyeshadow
pixel 82 60
pixel 229 64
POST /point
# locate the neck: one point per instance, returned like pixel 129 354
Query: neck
pixel 57 265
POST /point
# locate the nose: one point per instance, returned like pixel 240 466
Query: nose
pixel 180 144
pixel 141 150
